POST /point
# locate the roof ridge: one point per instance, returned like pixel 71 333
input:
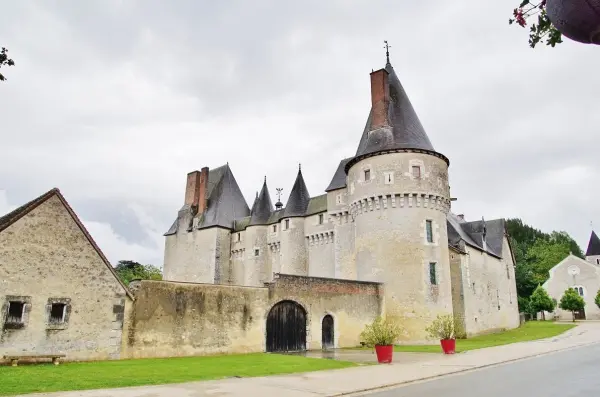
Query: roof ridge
pixel 19 212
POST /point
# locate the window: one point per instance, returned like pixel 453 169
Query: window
pixel 579 290
pixel 256 252
pixel 238 237
pixel 367 175
pixel 320 219
pixel 338 199
pixel 388 178
pixel 15 312
pixel 416 171
pixel 57 313
pixel 432 274
pixel 507 272
pixel 287 224
pixel 429 231
pixel 597 261
pixel 274 228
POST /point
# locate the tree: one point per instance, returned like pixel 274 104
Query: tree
pixel 571 301
pixel 130 270
pixel 540 301
pixel 544 27
pixel 597 300
pixel 5 61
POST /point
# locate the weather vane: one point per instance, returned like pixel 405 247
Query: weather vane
pixel 387 51
pixel 279 190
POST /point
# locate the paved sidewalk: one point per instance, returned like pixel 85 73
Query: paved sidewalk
pixel 352 380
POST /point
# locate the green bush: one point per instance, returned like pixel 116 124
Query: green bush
pixel 443 327
pixel 381 333
pixel 597 300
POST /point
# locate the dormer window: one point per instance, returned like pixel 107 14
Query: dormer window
pixel 416 171
pixel 367 175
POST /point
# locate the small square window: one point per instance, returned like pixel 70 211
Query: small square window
pixel 429 230
pixel 416 171
pixel 256 252
pixel 432 274
pixel 320 219
pixel 287 224
pixel 367 175
pixel 274 228
pixel 57 313
pixel 16 311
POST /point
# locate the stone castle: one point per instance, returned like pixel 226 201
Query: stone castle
pixel 385 217
pixel 382 241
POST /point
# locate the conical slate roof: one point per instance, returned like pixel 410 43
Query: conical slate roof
pixel 298 200
pixel 262 208
pixel 405 130
pixel 593 246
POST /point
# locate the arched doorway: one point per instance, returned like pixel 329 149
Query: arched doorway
pixel 286 327
pixel 327 332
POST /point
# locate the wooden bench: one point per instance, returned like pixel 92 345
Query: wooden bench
pixel 15 359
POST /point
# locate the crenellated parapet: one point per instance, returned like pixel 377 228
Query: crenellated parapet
pixel 320 238
pixel 399 200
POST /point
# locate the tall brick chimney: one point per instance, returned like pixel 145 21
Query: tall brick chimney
pixel 195 189
pixel 380 98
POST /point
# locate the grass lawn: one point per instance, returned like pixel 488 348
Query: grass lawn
pixel 107 374
pixel 529 331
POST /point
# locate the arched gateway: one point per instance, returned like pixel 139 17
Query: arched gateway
pixel 286 327
pixel 327 332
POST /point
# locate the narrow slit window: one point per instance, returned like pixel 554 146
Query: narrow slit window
pixel 238 237
pixel 15 312
pixel 432 273
pixel 429 230
pixel 287 224
pixel 320 219
pixel 416 171
pixel 367 175
pixel 274 228
pixel 57 313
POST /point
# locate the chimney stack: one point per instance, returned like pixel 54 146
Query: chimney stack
pixel 380 98
pixel 195 190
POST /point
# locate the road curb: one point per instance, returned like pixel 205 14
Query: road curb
pixel 459 371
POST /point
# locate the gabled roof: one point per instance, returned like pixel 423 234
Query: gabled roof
pixel 593 246
pixel 407 132
pixel 339 178
pixel 472 233
pixel 316 205
pixel 262 208
pixel 298 200
pixel 13 216
pixel 226 202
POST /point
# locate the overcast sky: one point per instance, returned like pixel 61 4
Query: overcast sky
pixel 115 101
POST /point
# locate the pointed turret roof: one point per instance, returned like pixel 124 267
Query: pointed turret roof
pixel 261 211
pixel 593 246
pixel 299 198
pixel 404 129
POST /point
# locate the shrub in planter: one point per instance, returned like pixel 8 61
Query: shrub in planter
pixel 443 328
pixel 381 335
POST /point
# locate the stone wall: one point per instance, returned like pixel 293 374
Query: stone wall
pixel 45 258
pixel 489 291
pixel 181 319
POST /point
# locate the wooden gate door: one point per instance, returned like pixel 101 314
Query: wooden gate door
pixel 327 332
pixel 579 315
pixel 286 328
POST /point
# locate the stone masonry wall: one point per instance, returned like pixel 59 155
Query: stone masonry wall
pixel 45 258
pixel 182 319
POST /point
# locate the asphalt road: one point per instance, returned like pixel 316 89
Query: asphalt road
pixel 573 373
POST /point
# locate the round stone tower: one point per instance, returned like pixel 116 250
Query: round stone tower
pixel 399 197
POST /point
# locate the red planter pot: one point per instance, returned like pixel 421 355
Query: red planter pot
pixel 384 353
pixel 448 346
